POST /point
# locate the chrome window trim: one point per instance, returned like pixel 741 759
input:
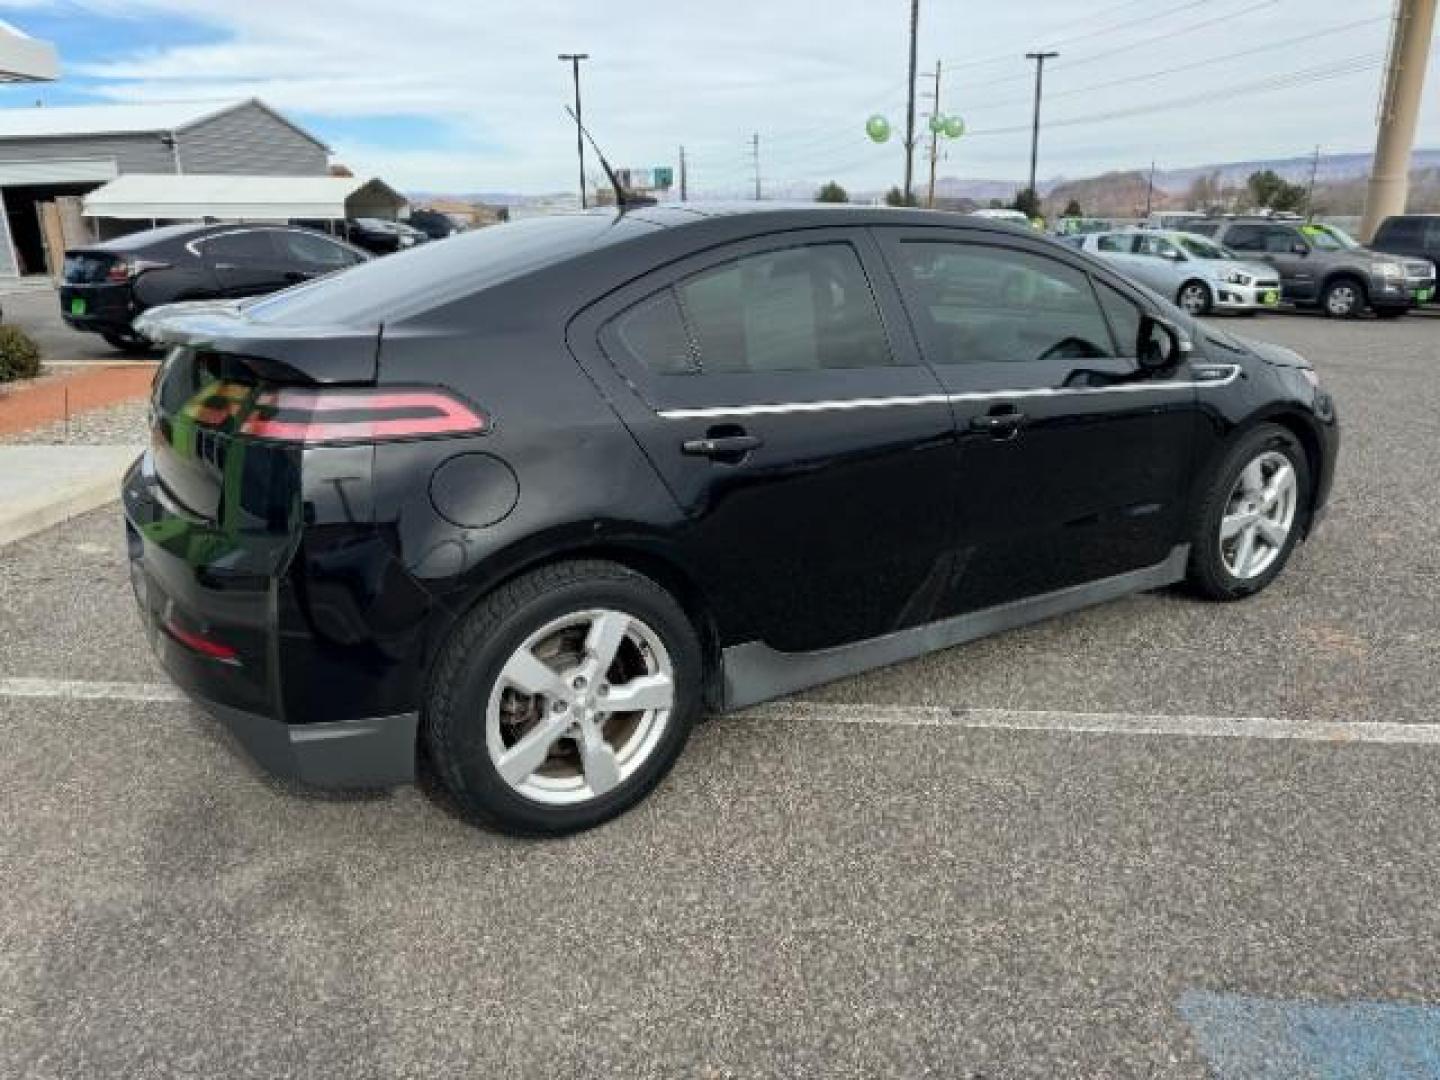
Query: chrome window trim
pixel 1231 373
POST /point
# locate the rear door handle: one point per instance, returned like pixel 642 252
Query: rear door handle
pixel 1002 425
pixel 722 446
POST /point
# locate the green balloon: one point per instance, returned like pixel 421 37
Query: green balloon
pixel 937 124
pixel 878 128
pixel 954 127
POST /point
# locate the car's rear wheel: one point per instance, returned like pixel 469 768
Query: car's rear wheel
pixel 1251 515
pixel 564 698
pixel 1194 297
pixel 1343 298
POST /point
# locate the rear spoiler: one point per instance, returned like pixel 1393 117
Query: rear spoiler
pixel 317 353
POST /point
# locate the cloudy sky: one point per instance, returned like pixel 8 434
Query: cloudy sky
pixel 467 95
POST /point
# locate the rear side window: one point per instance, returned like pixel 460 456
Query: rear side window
pixel 253 246
pixel 1246 238
pixel 806 308
pixel 1117 243
pixel 980 305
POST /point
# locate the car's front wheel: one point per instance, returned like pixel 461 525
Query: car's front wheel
pixel 1343 298
pixel 1251 514
pixel 564 698
pixel 1194 297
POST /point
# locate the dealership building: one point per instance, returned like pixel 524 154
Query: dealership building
pixel 74 174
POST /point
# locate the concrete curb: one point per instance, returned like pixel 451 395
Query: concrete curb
pixel 42 486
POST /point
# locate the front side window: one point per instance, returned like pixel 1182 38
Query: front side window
pixel 313 250
pixel 1203 249
pixel 1124 315
pixel 805 308
pixel 1157 247
pixel 1116 242
pixel 1284 241
pixel 978 304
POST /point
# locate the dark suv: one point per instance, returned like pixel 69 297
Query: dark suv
pixel 103 287
pixel 1415 236
pixel 1317 268
pixel 530 499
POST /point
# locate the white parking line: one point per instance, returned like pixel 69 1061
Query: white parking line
pixel 916 716
pixel 1098 723
pixel 82 690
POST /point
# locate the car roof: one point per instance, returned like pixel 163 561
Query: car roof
pixel 430 275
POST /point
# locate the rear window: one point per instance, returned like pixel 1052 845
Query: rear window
pixel 86 268
pixel 430 275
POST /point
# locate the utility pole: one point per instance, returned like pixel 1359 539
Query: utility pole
pixel 910 106
pixel 1399 109
pixel 1310 193
pixel 1149 189
pixel 683 190
pixel 934 137
pixel 755 153
pixel 574 60
pixel 1039 58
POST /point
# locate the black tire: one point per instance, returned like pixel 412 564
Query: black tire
pixel 131 346
pixel 1202 302
pixel 1208 574
pixel 459 691
pixel 1332 298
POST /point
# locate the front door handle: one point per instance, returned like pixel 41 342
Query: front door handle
pixel 722 447
pixel 1002 425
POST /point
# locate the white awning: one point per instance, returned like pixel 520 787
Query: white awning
pixel 147 196
pixel 26 59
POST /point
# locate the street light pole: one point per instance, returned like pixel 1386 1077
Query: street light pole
pixel 1039 58
pixel 574 59
pixel 910 106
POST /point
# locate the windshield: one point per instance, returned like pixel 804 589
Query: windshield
pixel 1204 249
pixel 1328 238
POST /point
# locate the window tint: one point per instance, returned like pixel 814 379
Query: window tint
pixel 1203 228
pixel 1246 238
pixel 1116 242
pixel 992 305
pixel 313 250
pixel 251 246
pixel 653 333
pixel 800 309
pixel 1157 247
pixel 1124 317
pixel 1432 234
pixel 1282 241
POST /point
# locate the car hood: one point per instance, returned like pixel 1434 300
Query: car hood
pixel 1254 269
pixel 1264 350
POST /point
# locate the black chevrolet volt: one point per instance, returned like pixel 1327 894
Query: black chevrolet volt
pixel 530 501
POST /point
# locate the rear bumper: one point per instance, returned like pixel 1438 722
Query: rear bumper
pixel 210 606
pixel 98 309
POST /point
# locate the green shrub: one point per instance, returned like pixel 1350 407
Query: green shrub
pixel 19 356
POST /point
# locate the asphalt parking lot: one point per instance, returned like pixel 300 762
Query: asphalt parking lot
pixel 1158 838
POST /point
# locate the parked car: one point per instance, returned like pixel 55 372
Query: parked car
pixel 1195 272
pixel 435 225
pixel 1317 268
pixel 380 237
pixel 534 497
pixel 103 287
pixel 1414 236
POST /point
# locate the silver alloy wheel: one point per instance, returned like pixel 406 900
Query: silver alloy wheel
pixel 1259 515
pixel 1194 298
pixel 1342 299
pixel 579 706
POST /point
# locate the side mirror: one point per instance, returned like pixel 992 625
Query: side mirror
pixel 1159 345
pixel 1173 256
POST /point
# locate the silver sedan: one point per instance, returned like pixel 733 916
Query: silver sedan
pixel 1194 271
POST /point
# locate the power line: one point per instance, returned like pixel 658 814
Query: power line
pixel 1009 54
pixel 1209 61
pixel 1303 77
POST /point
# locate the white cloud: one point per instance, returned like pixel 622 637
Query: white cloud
pixel 708 74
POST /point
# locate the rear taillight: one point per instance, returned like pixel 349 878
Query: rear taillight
pixel 203 644
pixel 125 269
pixel 294 415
